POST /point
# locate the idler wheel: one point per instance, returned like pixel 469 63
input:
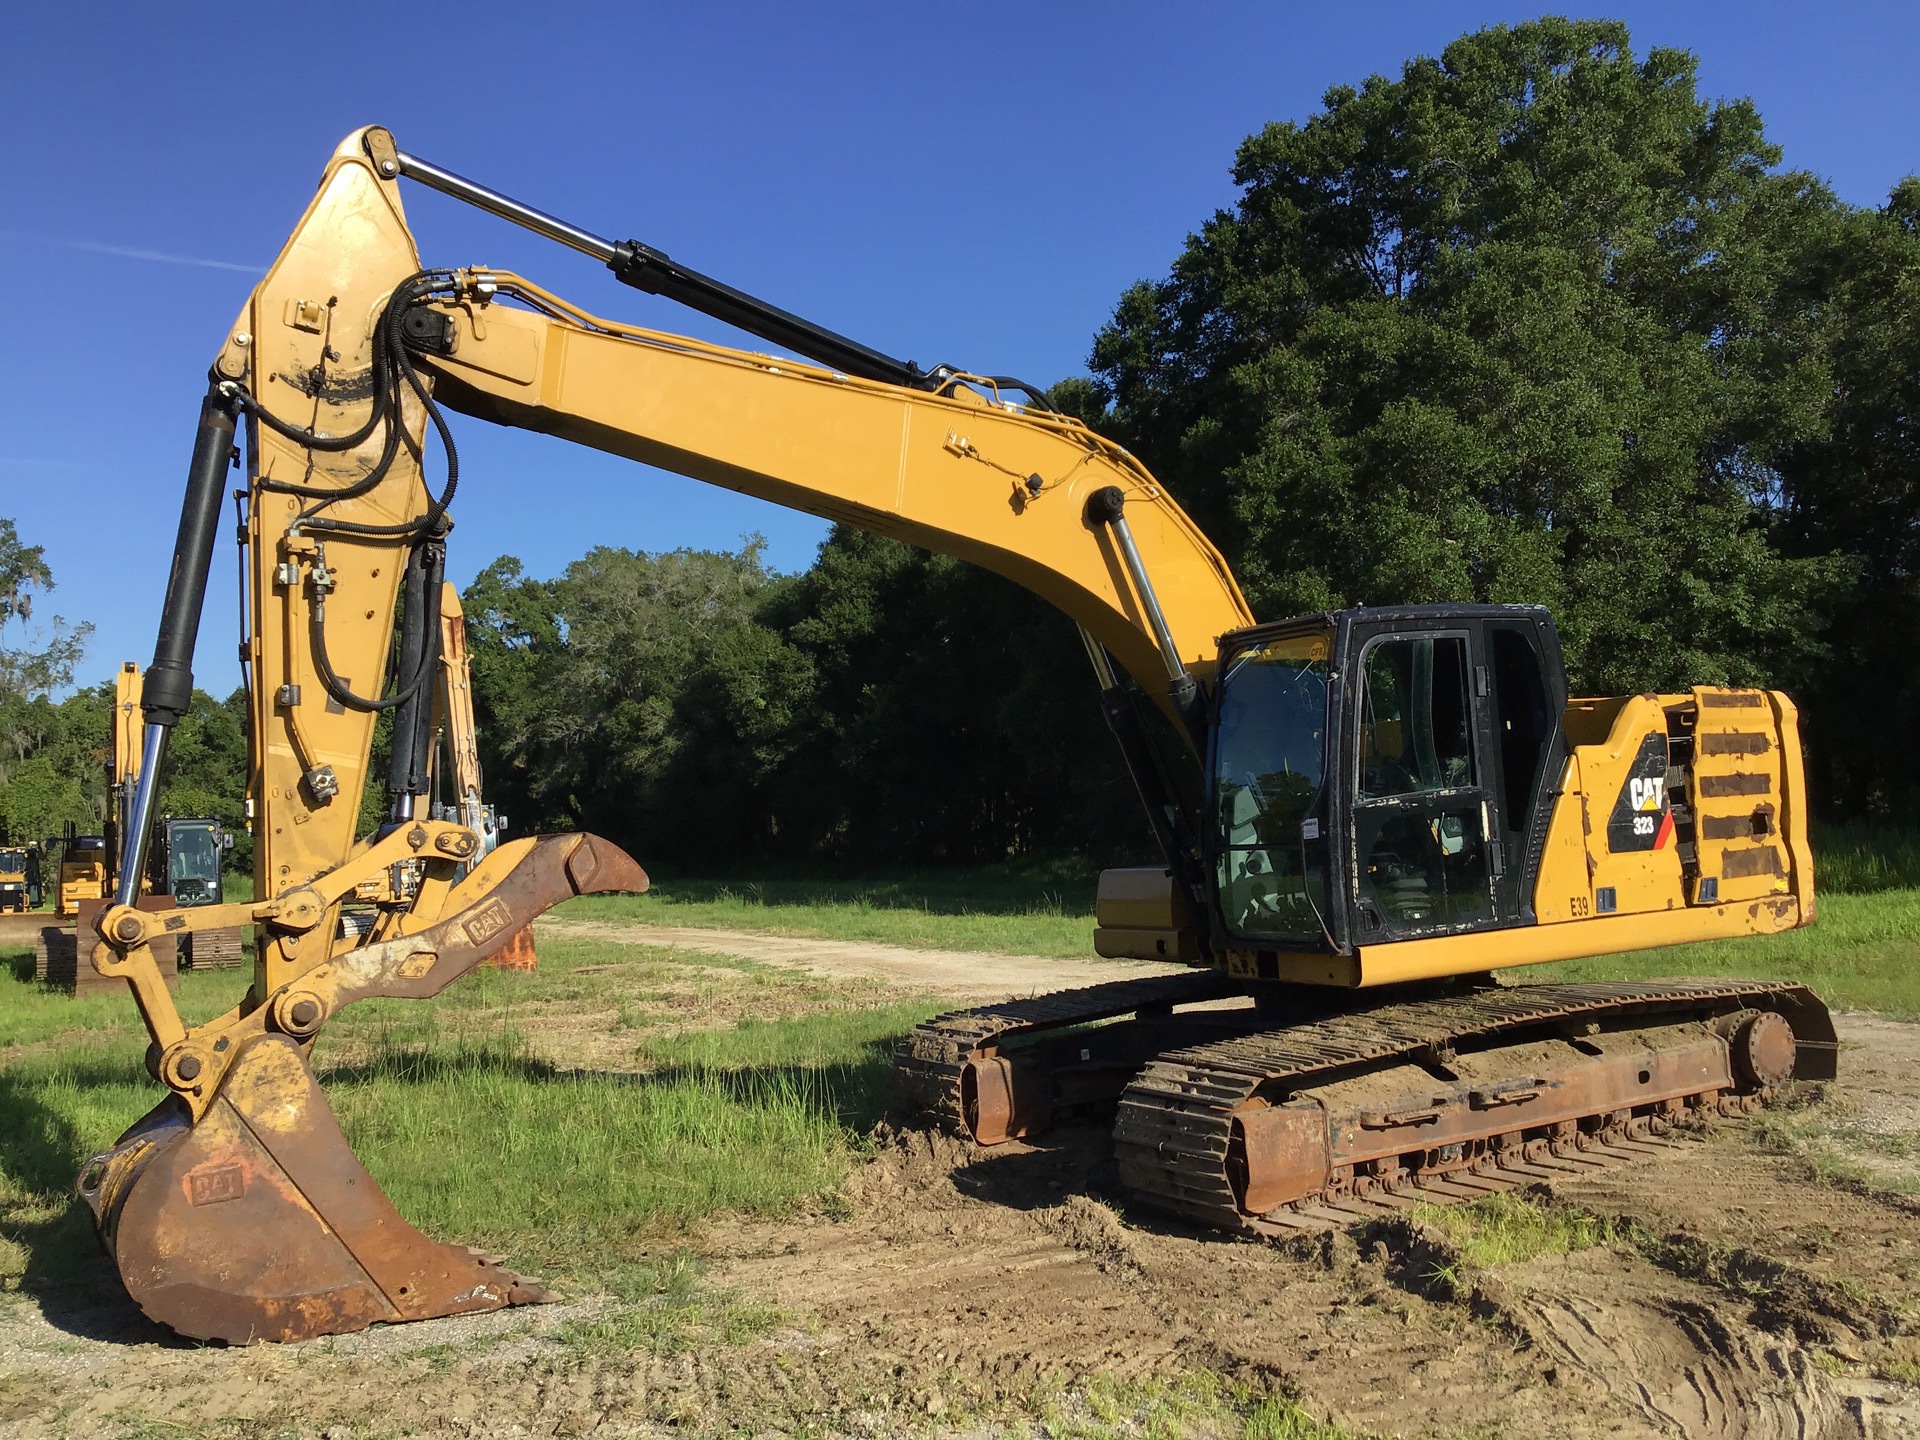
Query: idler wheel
pixel 1764 1050
pixel 1002 1099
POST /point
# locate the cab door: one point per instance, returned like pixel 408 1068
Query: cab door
pixel 1426 858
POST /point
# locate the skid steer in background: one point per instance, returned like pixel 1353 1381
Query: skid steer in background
pixel 1389 803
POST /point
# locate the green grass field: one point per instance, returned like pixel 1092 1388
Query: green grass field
pixel 587 1173
pixel 1031 909
pixel 1862 953
pixel 1046 908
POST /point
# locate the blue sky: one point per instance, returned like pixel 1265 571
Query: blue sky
pixel 967 184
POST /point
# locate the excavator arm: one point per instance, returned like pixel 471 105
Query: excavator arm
pixel 962 471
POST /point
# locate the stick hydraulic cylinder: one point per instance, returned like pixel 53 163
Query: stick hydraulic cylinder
pixel 168 688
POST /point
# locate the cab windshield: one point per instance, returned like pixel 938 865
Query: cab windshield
pixel 12 861
pixel 1269 759
pixel 192 857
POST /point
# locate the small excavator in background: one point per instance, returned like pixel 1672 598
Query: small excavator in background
pixel 462 751
pixel 1361 815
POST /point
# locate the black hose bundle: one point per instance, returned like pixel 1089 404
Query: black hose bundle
pixel 424 537
pixel 392 366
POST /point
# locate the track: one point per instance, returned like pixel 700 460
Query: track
pixel 930 1064
pixel 1191 1115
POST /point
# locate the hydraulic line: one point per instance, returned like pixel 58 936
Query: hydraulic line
pixel 419 652
pixel 391 365
pixel 407 680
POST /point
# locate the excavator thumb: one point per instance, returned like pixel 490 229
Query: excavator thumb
pixel 255 1221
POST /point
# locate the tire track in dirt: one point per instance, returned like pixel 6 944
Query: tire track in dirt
pixel 1732 1331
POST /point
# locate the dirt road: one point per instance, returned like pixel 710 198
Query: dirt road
pixel 966 976
pixel 1749 1284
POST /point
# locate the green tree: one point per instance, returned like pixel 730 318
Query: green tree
pixel 888 707
pixel 43 660
pixel 1532 322
pixel 954 717
pixel 590 690
pixel 54 761
pixel 1853 489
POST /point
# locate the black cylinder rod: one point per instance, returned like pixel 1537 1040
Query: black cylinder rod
pixel 167 690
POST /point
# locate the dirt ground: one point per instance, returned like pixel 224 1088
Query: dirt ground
pixel 1748 1288
pixel 967 977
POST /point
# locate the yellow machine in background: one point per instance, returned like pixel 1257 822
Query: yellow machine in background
pixel 1388 803
pixel 19 879
pixel 83 872
pixel 454 696
pixel 454 756
pixel 185 855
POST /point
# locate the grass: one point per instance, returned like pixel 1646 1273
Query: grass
pixel 1508 1230
pixel 1901 1369
pixel 478 1135
pixel 479 1139
pixel 32 1014
pixel 1862 952
pixel 820 1041
pixel 1035 909
pixel 1200 1402
pixel 664 1307
pixel 1860 859
pixel 1837 1149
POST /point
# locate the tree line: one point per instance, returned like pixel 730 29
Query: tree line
pixel 1532 322
pixel 55 754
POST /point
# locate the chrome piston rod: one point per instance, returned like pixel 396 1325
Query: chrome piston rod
pixel 494 203
pixel 167 691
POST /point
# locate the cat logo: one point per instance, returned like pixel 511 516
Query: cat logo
pixel 1642 818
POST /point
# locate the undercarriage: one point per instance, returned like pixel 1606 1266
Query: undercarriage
pixel 1272 1110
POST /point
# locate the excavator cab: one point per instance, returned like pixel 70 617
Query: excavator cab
pixel 192 854
pixel 1377 775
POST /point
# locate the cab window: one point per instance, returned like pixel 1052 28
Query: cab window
pixel 1269 764
pixel 1415 721
pixel 1420 814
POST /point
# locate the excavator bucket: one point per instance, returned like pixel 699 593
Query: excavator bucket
pixel 257 1221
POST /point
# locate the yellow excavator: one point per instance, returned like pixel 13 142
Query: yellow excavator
pixel 1361 815
pixel 462 755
